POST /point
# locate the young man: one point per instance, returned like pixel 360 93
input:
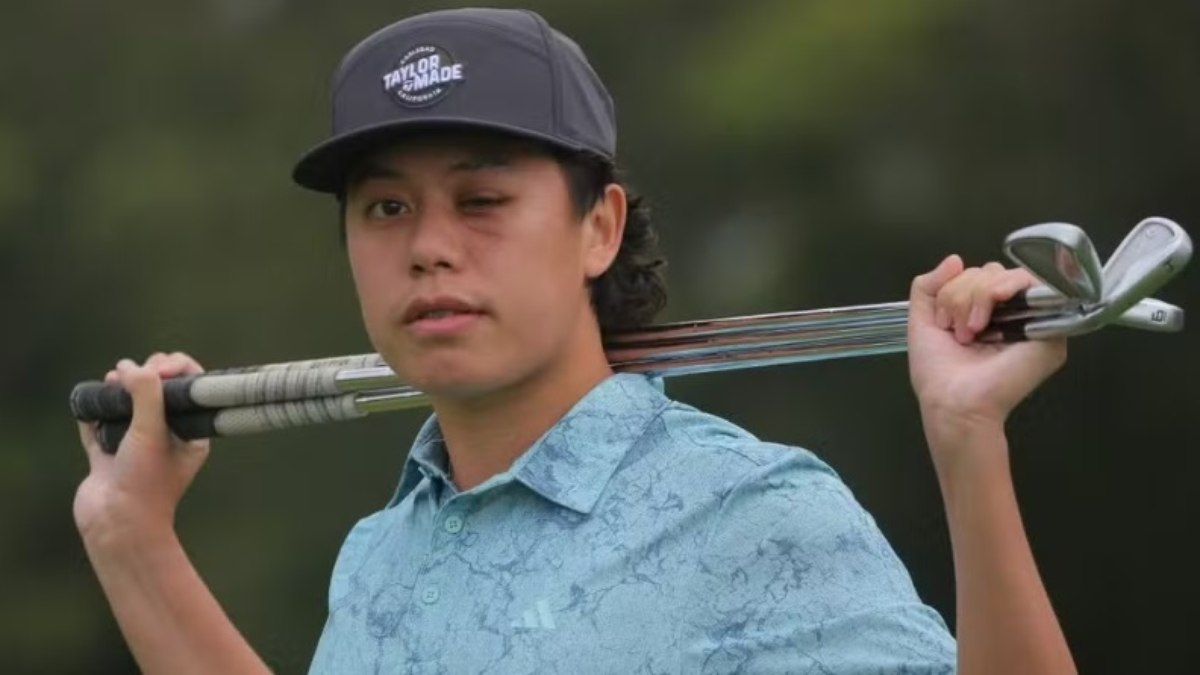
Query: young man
pixel 553 516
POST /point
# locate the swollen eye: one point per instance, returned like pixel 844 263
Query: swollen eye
pixel 482 202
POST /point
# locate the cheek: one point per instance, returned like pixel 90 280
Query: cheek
pixel 374 282
pixel 544 285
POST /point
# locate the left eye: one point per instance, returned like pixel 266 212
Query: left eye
pixel 482 202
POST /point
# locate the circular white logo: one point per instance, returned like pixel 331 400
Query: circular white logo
pixel 423 76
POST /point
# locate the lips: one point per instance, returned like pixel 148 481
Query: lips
pixel 438 308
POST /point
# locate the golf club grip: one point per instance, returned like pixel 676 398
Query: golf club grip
pixel 1009 331
pixel 187 426
pixel 350 361
pixel 241 420
pixel 1017 303
pixel 95 400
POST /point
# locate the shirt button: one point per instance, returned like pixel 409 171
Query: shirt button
pixel 453 524
pixel 430 595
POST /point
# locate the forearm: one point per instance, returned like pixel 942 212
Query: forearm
pixel 1005 621
pixel 169 618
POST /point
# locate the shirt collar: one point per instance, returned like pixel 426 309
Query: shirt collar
pixel 573 461
pixel 426 459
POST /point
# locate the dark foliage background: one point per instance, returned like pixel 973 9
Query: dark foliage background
pixel 798 153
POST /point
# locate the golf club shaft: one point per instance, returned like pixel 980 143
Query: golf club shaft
pixel 376 389
pixel 314 378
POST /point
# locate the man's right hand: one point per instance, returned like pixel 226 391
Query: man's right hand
pixel 125 510
pixel 135 491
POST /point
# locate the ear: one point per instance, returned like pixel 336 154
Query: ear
pixel 603 230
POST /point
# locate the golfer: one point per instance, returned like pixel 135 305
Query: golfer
pixel 552 516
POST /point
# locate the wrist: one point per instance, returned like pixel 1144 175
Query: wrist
pixel 121 526
pixel 965 445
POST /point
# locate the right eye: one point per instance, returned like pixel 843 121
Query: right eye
pixel 386 208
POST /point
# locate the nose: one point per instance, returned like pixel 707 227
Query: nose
pixel 436 242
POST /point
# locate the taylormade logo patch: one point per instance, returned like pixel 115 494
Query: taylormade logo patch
pixel 423 76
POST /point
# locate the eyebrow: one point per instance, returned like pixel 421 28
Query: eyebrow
pixel 372 170
pixel 480 162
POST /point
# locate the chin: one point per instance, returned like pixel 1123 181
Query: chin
pixel 454 377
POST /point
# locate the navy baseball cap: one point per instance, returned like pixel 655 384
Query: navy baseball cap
pixel 498 70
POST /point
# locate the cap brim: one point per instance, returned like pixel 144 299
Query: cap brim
pixel 325 166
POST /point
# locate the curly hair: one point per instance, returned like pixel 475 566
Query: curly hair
pixel 633 290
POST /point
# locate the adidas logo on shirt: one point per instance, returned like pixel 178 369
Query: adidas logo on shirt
pixel 539 617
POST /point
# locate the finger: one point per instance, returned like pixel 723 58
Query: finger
pixel 173 364
pixel 922 305
pixel 982 300
pixel 1014 281
pixel 954 302
pixel 166 365
pixel 91 446
pixel 145 388
pixel 184 364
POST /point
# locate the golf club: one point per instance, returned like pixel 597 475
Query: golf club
pixel 809 329
pixel 272 396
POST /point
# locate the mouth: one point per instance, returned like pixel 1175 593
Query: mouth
pixel 435 314
pixel 441 316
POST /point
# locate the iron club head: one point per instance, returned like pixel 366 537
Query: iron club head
pixel 1062 256
pixel 1153 315
pixel 1155 240
pixel 1153 252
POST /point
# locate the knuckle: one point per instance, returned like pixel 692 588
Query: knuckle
pixel 944 297
pixel 959 290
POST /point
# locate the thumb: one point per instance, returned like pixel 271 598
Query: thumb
pixel 926 287
pixel 145 388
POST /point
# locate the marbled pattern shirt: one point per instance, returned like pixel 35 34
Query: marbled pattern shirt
pixel 638 535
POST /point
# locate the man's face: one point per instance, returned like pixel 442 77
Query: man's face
pixel 470 261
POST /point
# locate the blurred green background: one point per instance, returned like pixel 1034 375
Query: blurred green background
pixel 798 153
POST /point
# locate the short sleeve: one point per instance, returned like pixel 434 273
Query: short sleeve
pixel 350 557
pixel 796 578
pixel 330 654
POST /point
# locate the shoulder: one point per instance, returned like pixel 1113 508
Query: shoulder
pixel 788 545
pixel 769 496
pixel 748 486
pixel 707 443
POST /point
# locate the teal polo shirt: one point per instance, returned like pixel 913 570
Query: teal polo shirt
pixel 638 535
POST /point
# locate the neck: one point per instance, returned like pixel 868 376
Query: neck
pixel 485 435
